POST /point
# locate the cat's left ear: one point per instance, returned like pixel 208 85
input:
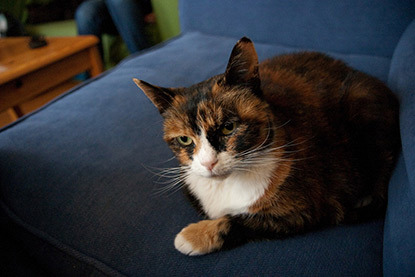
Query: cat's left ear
pixel 242 69
pixel 161 97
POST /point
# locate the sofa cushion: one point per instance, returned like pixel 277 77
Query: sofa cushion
pixel 77 186
pixel 361 27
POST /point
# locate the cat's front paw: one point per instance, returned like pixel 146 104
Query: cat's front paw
pixel 185 246
pixel 201 238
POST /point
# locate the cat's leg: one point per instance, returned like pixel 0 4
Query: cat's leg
pixel 207 236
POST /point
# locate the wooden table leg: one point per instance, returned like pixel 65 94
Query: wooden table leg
pixel 95 61
pixel 18 112
pixel 13 114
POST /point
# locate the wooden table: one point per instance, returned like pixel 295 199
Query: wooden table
pixel 36 75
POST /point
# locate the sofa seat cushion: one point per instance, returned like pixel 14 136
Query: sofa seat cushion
pixel 78 189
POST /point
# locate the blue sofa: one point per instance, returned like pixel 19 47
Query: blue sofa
pixel 79 196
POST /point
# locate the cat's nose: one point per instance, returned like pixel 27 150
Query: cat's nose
pixel 210 164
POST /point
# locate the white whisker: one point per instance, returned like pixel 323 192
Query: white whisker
pixel 258 148
pixel 261 146
pixel 172 178
pixel 278 127
pixel 170 159
pixel 175 185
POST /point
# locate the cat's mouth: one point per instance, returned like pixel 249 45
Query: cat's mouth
pixel 219 175
pixel 215 174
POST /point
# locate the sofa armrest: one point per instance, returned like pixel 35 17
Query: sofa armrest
pixel 402 82
pixel 399 242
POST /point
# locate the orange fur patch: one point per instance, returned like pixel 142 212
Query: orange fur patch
pixel 209 115
pixel 205 236
pixel 216 90
pixel 269 202
pixel 179 100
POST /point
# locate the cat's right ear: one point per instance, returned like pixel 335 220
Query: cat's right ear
pixel 161 97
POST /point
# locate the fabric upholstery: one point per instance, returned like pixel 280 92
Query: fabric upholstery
pixel 399 248
pixel 77 182
pixel 360 27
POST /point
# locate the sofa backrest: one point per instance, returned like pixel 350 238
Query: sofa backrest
pixel 357 26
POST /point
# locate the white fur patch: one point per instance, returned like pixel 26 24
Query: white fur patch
pixel 184 246
pixel 205 155
pixel 231 195
pixel 224 190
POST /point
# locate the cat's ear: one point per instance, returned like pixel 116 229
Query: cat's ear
pixel 242 67
pixel 161 97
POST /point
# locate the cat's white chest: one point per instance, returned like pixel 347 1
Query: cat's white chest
pixel 233 195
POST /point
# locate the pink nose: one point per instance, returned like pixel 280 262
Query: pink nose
pixel 210 164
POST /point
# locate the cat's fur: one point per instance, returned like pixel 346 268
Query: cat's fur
pixel 277 148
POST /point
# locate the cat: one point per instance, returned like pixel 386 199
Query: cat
pixel 273 149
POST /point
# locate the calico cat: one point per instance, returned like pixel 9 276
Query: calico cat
pixel 274 149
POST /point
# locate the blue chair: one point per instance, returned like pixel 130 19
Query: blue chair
pixel 77 195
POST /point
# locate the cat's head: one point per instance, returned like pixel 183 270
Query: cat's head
pixel 221 125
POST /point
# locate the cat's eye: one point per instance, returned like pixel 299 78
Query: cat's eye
pixel 185 141
pixel 228 128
